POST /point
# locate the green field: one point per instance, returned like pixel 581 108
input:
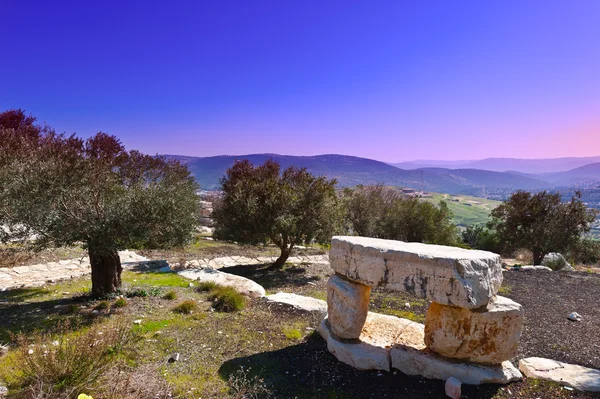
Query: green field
pixel 466 210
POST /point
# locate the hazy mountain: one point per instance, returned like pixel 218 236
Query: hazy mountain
pixel 584 174
pixel 351 171
pixel 531 166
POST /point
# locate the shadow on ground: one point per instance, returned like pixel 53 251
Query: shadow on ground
pixel 17 316
pixel 308 370
pixel 270 278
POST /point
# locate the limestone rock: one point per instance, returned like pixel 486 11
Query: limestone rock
pixel 453 388
pixel 305 303
pixel 489 335
pixel 372 350
pixel 241 284
pixel 578 377
pixel 425 363
pixel 531 268
pixel 447 275
pixel 347 306
pixel 556 261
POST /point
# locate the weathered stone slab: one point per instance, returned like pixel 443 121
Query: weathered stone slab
pixel 347 306
pixel 301 302
pixel 425 363
pixel 447 275
pixel 578 377
pixel 372 350
pixel 243 285
pixel 488 335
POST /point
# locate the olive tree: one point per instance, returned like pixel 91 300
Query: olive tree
pixel 261 204
pixel 541 222
pixel 58 190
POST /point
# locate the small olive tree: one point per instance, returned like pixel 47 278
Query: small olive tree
pixel 58 190
pixel 541 222
pixel 261 204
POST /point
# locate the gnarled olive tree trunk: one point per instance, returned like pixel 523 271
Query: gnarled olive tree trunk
pixel 285 254
pixel 106 271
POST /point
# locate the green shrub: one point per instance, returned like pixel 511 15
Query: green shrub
pixel 102 305
pixel 120 303
pixel 206 286
pixel 227 299
pixel 186 307
pixel 292 333
pixel 138 292
pixel 171 295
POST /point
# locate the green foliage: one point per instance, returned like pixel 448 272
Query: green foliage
pixel 541 222
pixel 292 333
pixel 206 286
pixel 261 204
pixel 382 212
pixel 226 299
pixel 479 237
pixel 137 293
pixel 586 251
pixel 186 307
pixel 66 190
pixel 171 295
pixel 120 303
pixel 102 305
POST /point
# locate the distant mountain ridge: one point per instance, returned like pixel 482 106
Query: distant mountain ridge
pixel 351 171
pixel 529 166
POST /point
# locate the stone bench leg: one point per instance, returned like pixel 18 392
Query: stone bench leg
pixel 347 306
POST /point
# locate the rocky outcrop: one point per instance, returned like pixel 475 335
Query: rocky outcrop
pixel 347 304
pixel 578 377
pixel 446 275
pixel 300 302
pixel 488 336
pixel 241 284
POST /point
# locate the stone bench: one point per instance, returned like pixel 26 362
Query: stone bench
pixel 468 327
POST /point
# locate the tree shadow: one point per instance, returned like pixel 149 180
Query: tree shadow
pixel 308 370
pixel 270 278
pixel 18 317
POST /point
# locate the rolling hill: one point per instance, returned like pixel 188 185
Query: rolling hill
pixel 351 171
pixel 531 166
pixel 583 174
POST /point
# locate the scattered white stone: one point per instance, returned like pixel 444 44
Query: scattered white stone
pixel 191 285
pixel 3 390
pixel 556 261
pixel 138 321
pixel 453 388
pixel 30 352
pixel 407 305
pixel 578 377
pixel 174 358
pixel 448 275
pixel 531 268
pixel 299 302
pixel 55 343
pixel 574 316
pixel 241 284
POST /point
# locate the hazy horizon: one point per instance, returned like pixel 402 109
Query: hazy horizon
pixel 394 82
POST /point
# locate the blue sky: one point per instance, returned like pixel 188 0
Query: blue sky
pixel 389 80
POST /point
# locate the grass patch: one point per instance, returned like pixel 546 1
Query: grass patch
pixel 186 307
pixel 227 299
pixel 120 303
pixel 504 290
pixel 102 305
pixel 154 279
pixel 171 295
pixel 405 314
pixel 292 333
pixel 152 326
pixel 63 363
pixel 206 286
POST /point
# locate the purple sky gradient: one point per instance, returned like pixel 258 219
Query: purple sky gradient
pixel 390 80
